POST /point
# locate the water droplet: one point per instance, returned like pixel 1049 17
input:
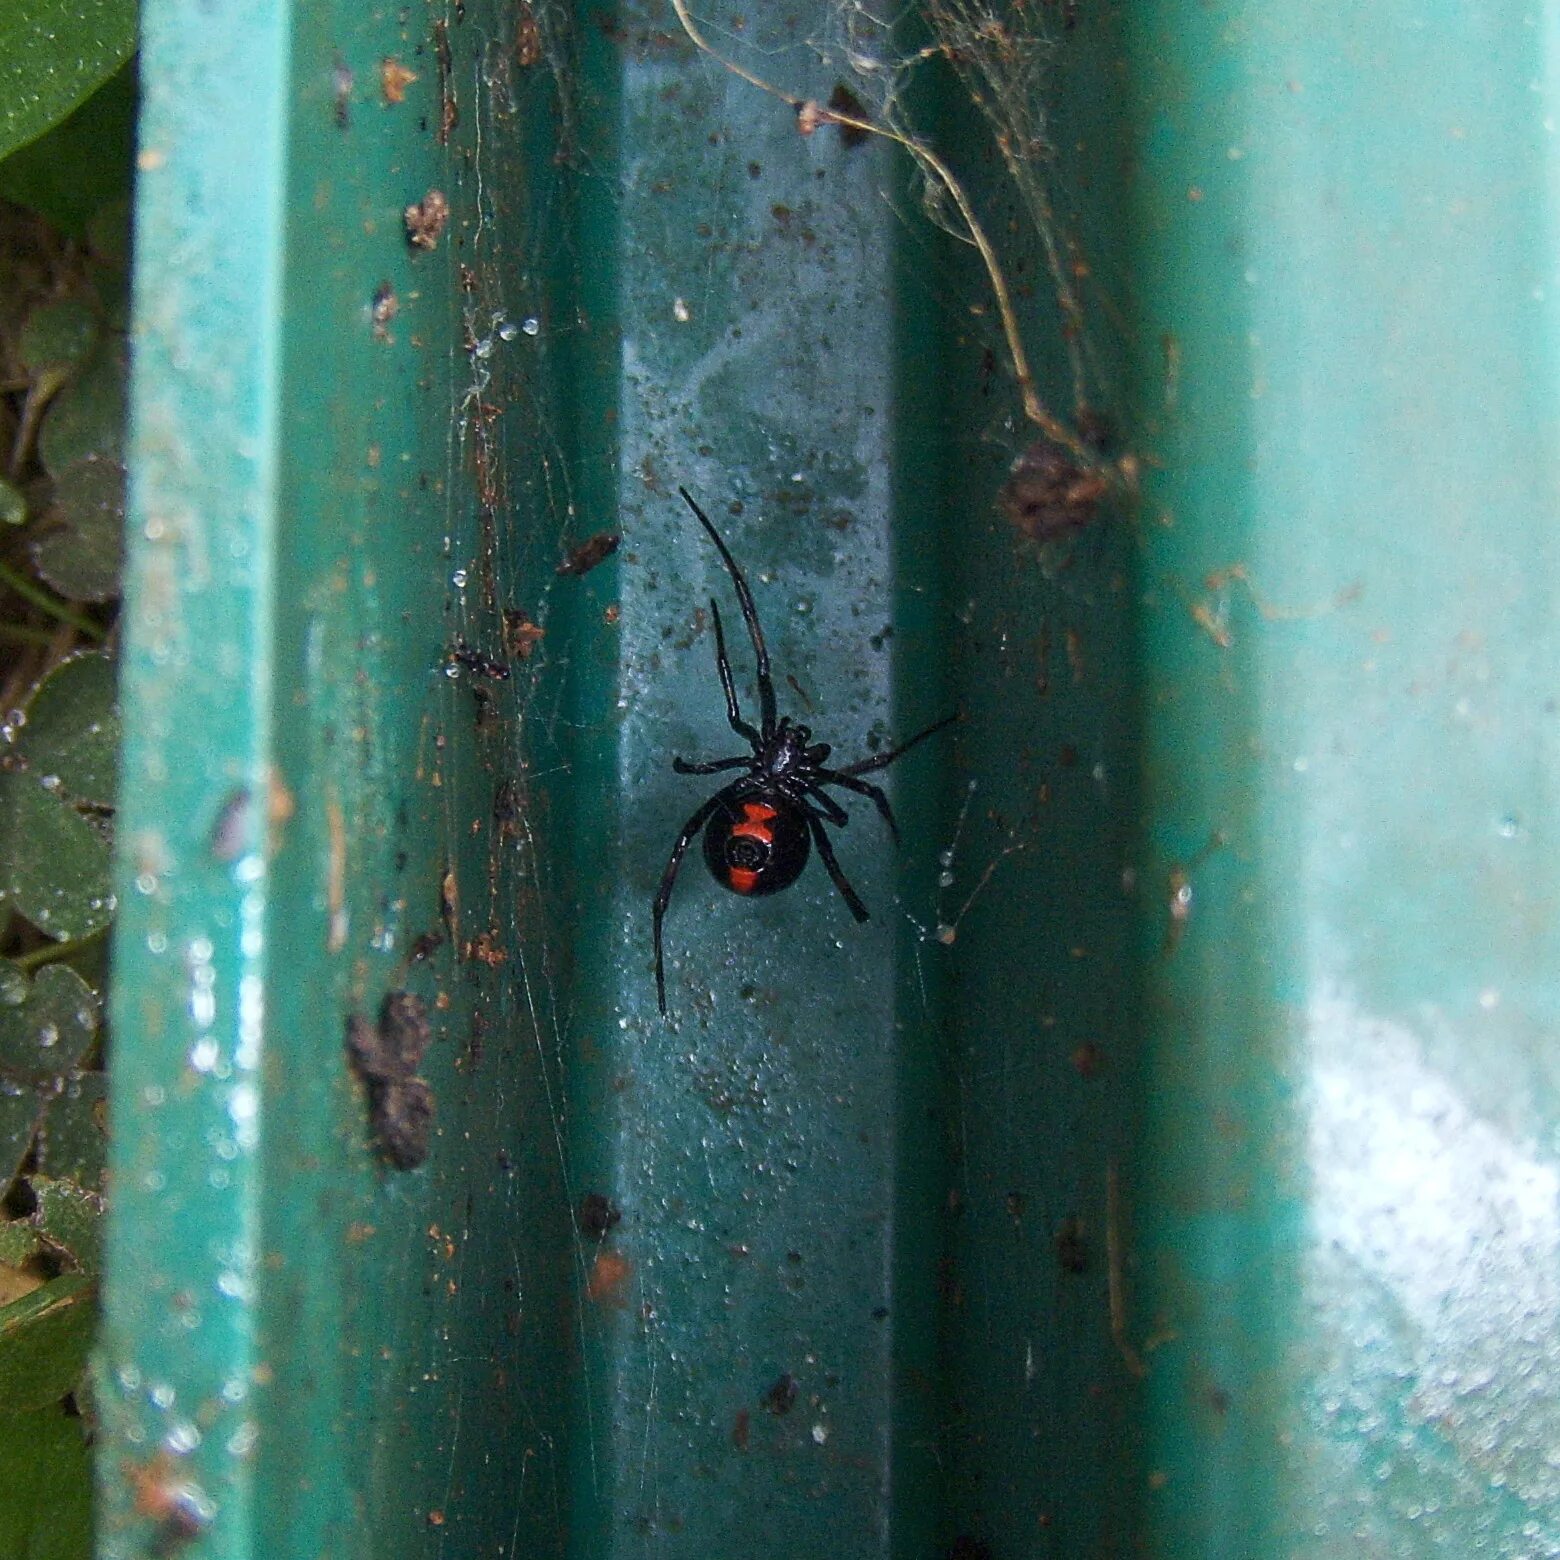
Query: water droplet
pixel 508 331
pixel 162 1394
pixel 204 1054
pixel 531 325
pixel 458 579
pixel 945 880
pixel 232 1284
pixel 50 782
pixel 146 883
pixel 156 942
pixel 182 1439
pixel 49 1035
pixel 1509 827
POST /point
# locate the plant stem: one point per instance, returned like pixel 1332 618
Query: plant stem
pixel 26 636
pixel 53 953
pixel 45 602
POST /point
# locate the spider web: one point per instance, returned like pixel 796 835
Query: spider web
pixel 806 514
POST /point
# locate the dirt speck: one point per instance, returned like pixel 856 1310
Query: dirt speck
pixel 1049 495
pixel 426 219
pixel 386 1056
pixel 585 557
pixel 521 635
pixel 780 1396
pixel 599 1215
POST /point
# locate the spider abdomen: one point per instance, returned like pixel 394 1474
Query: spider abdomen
pixel 757 843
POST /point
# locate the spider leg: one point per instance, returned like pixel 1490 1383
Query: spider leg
pixel 727 686
pixel 663 895
pixel 683 767
pixel 826 804
pixel 884 759
pixel 766 687
pixel 826 855
pixel 863 788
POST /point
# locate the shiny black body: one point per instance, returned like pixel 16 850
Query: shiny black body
pixel 757 842
pixel 757 829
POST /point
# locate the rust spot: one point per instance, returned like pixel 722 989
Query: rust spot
pixel 528 37
pixel 449 110
pixel 1088 1060
pixel 608 1274
pixel 394 79
pixel 336 876
pixel 175 1505
pixel 521 635
pixel 486 949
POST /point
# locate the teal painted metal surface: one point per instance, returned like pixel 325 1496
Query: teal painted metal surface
pixel 307 1353
pixel 1166 1168
pixel 1344 1204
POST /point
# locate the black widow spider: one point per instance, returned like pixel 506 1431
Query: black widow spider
pixel 757 830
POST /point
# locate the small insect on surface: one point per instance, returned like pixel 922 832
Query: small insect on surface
pixel 759 830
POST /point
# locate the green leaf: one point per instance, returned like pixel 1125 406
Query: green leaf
pixel 71 732
pixel 54 856
pixel 80 551
pixel 46 1033
pixel 47 1027
pixel 108 231
pixel 45 1338
pixel 87 417
pixel 73 1144
pixel 53 55
pixel 13 504
pixel 81 165
pixel 70 1219
pixel 54 863
pixel 57 338
pixel 19 1242
pixel 46 1473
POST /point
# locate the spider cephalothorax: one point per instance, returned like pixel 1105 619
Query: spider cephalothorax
pixel 759 830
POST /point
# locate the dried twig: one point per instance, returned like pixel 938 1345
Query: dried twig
pixel 819 114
